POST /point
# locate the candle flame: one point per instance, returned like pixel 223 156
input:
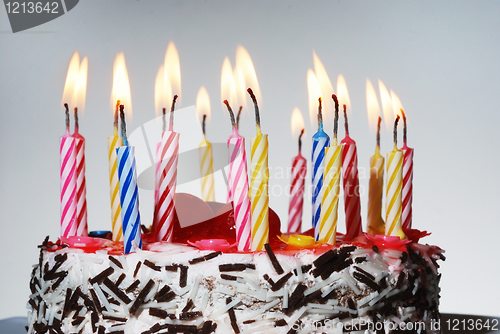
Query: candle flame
pixel 203 103
pixel 372 106
pixel 75 87
pixel 314 92
pixel 168 80
pixel 396 104
pixel 228 85
pixel 121 85
pixel 297 122
pixel 342 93
pixel 386 101
pixel 326 89
pixel 245 77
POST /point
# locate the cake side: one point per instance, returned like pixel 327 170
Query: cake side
pixel 175 288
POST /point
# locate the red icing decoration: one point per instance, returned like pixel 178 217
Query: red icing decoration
pixel 88 244
pixel 414 234
pixel 212 244
pixel 387 241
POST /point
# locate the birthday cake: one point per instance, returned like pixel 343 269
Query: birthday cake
pixel 372 285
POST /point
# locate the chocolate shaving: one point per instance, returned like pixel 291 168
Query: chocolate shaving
pixel 228 277
pixel 297 295
pixel 59 281
pixel 324 259
pixel 236 266
pixel 33 304
pixel 189 306
pixel 366 280
pixel 101 276
pixel 162 292
pixel 183 276
pixel 101 330
pixel 141 297
pixel 281 282
pixel 400 280
pixel 110 317
pixel 351 304
pixel 375 248
pixel 268 279
pixel 137 267
pixel 159 313
pixel 115 261
pixel 118 292
pixel 232 316
pixel 156 327
pixel 97 302
pixel 359 260
pixel 190 315
pixel 172 268
pixel 441 256
pixel 367 274
pixel 246 322
pixel 274 260
pixel 179 328
pixel 207 327
pixel 133 286
pixel 151 265
pixel 205 258
pixel 120 279
pixel 94 319
pixel 404 257
pixel 280 323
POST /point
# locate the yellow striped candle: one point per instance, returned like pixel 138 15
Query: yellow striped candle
pixel 376 225
pixel 393 189
pixel 259 185
pixel 326 229
pixel 113 143
pixel 206 167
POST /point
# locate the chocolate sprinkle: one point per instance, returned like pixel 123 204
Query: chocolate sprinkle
pixel 137 267
pixel 281 282
pixel 100 277
pixel 172 268
pixel 246 322
pixel 400 280
pixel 190 315
pixel 118 292
pixel 207 327
pixel 109 317
pixel 280 323
pixel 274 260
pixel 115 261
pixel 120 279
pixel 232 316
pixel 183 276
pixel 133 286
pixel 297 295
pixel 157 312
pixel 232 267
pixel 189 306
pixel 205 258
pixel 228 277
pixel 360 259
pixel 370 276
pixel 151 265
pixel 375 248
pixel 141 297
pixel 101 330
pixel 96 300
pixel 366 280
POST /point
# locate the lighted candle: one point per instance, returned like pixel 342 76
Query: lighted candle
pixel 116 210
pixel 407 179
pixel 68 181
pixel 81 188
pixel 163 224
pixel 320 142
pixel 394 189
pixel 259 184
pixel 326 229
pixel 350 179
pixel 229 191
pixel 129 196
pixel 238 185
pixel 295 208
pixel 376 225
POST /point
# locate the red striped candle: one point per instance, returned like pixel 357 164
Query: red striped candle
pixel 81 188
pixel 352 204
pixel 68 182
pixel 295 208
pixel 407 180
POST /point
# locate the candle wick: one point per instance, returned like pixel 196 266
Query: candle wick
pixel 115 123
pixel 300 140
pixel 378 132
pixel 164 118
pixel 124 126
pixel 404 126
pixel 238 118
pixel 335 118
pixel 346 125
pixel 257 116
pixel 172 108
pixel 203 124
pixel 231 114
pixel 320 114
pixel 76 120
pixel 396 132
pixel 66 112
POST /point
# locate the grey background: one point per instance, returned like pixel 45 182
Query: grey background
pixel 440 57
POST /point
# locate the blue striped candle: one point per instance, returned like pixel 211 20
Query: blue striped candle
pixel 320 142
pixel 129 200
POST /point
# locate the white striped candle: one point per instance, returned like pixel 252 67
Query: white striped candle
pixel 81 185
pixel 295 208
pixel 407 180
pixel 68 182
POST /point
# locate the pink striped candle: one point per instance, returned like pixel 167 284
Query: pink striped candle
pixel 68 182
pixel 295 208
pixel 407 180
pixel 163 223
pixel 352 204
pixel 81 187
pixel 238 185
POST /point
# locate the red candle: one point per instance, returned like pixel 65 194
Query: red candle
pixel 68 182
pixel 407 180
pixel 81 188
pixel 299 170
pixel 350 180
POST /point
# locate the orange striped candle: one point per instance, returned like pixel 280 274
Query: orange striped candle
pixel 113 143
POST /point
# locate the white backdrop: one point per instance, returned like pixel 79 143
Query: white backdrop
pixel 441 59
